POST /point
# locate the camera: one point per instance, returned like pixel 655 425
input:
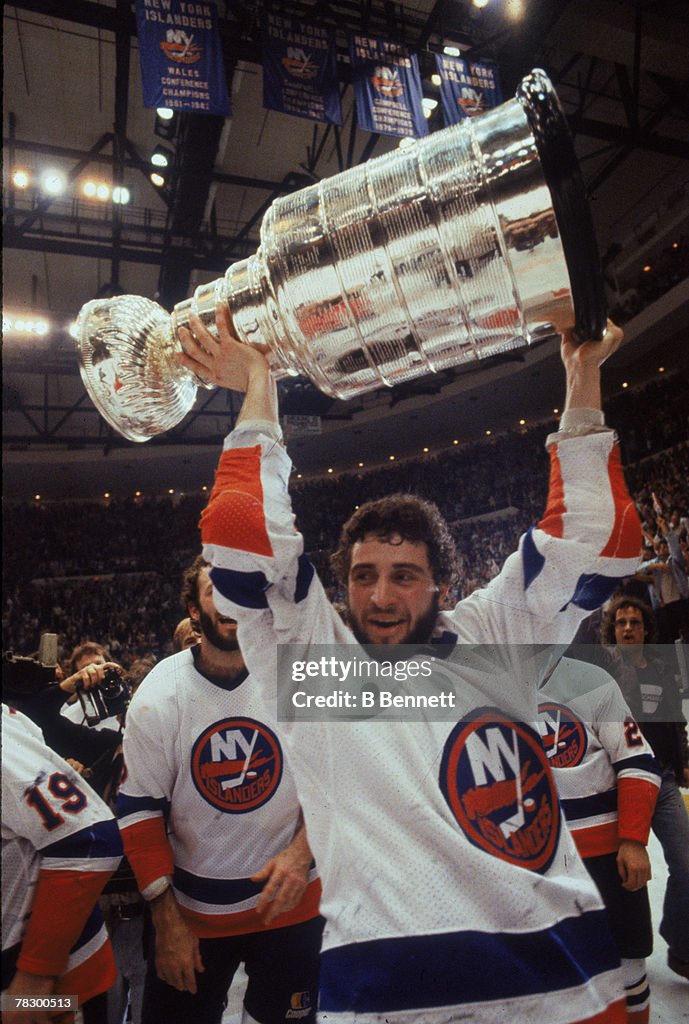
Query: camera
pixel 110 698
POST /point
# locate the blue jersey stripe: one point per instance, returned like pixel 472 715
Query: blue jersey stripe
pixel 127 805
pixel 247 589
pixel 455 968
pixel 305 574
pixel 92 927
pixel 99 840
pixel 221 891
pixel 589 806
pixel 646 762
pixel 593 590
pixel 532 559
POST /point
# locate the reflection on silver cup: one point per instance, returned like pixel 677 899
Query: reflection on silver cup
pixel 471 242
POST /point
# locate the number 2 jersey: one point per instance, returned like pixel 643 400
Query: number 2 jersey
pixel 451 888
pixel 606 774
pixel 207 796
pixel 60 844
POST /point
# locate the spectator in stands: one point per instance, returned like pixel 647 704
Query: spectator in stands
pixel 649 687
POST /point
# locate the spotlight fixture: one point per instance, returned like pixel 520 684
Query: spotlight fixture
pixel 121 195
pixel 53 182
pixel 157 179
pixel 165 126
pixel 20 179
pixel 161 156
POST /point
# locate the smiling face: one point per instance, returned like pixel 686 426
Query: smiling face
pixel 219 630
pixel 393 598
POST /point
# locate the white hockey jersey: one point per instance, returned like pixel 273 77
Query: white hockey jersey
pixel 60 844
pixel 605 771
pixel 452 889
pixel 207 796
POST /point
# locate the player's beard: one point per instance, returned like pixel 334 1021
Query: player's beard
pixel 213 635
pixel 420 633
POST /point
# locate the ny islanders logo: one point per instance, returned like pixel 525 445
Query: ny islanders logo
pixel 495 777
pixel 236 764
pixel 386 81
pixel 562 735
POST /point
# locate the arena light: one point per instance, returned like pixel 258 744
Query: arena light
pixel 53 182
pixel 121 195
pixel 436 80
pixel 102 192
pixel 451 51
pixel 361 465
pixel 22 325
pixel 392 458
pixel 330 469
pixel 426 449
pixel 514 9
pixel 157 179
pixel 20 179
pixel 161 156
pixel 89 189
pixel 661 369
pixel 165 113
pixel 480 4
pixel 522 422
pixel 488 433
pixel 428 105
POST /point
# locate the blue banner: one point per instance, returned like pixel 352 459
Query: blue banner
pixel 181 56
pixel 387 87
pixel 466 89
pixel 299 69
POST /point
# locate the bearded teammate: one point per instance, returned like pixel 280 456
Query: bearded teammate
pixel 608 781
pixel 441 901
pixel 212 828
pixel 60 845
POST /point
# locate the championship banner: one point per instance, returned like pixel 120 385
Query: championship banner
pixel 299 70
pixel 466 89
pixel 387 87
pixel 181 56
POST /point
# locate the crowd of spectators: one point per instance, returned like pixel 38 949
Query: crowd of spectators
pixel 667 269
pixel 111 571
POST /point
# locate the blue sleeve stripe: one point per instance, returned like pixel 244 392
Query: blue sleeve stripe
pixel 593 590
pixel 127 805
pixel 92 927
pixel 96 841
pixel 247 589
pixel 646 762
pixel 305 574
pixel 532 560
pixel 589 806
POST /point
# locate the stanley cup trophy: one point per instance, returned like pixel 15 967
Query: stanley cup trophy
pixel 471 242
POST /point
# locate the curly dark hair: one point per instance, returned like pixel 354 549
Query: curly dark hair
pixel 607 626
pixel 189 593
pixel 408 517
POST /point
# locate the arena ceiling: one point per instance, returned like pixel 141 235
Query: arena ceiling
pixel 72 100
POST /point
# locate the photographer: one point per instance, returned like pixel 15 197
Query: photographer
pixel 32 687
